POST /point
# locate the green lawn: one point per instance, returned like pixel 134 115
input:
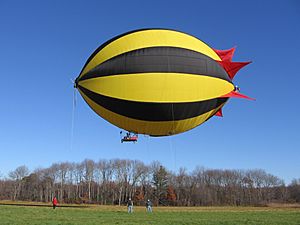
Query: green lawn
pixel 161 216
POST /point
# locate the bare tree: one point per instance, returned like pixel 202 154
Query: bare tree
pixel 62 170
pixel 114 181
pixel 89 166
pixel 17 175
pixel 120 175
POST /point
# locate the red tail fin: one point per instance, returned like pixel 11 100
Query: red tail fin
pixel 225 55
pixel 235 94
pixel 232 67
pixel 219 113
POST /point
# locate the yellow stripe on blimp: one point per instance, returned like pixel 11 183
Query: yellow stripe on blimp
pixel 159 87
pixel 149 127
pixel 149 38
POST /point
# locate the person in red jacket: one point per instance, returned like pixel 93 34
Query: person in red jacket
pixel 54 202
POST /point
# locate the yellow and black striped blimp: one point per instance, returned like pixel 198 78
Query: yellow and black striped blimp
pixel 158 81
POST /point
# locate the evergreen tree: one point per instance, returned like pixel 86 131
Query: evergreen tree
pixel 160 181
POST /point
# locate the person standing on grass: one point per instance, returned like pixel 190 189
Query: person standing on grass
pixel 149 206
pixel 130 206
pixel 54 202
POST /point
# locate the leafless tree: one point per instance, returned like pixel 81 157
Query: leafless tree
pixel 17 175
pixel 114 181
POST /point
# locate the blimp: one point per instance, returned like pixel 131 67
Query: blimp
pixel 158 82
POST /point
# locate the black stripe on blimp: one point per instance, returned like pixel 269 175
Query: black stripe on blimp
pixel 113 39
pixel 122 35
pixel 159 60
pixel 153 111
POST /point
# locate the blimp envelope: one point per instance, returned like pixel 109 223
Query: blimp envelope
pixel 158 82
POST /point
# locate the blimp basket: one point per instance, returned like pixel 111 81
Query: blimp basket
pixel 129 137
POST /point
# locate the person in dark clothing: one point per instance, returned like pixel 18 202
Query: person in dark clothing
pixel 130 206
pixel 149 206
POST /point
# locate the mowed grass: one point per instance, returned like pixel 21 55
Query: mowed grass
pixel 162 215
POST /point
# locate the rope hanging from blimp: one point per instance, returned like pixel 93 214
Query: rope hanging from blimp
pixel 74 103
pixel 173 150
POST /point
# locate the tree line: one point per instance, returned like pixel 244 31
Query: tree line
pixel 114 181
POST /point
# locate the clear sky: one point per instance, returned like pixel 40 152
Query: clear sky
pixel 44 44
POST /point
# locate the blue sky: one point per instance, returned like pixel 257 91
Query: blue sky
pixel 44 44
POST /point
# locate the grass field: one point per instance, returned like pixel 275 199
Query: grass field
pixel 12 214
